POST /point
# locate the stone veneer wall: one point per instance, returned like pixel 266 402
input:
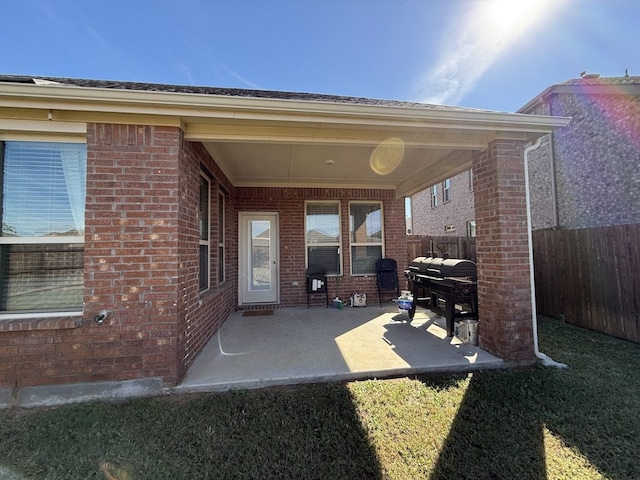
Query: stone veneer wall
pixel 596 158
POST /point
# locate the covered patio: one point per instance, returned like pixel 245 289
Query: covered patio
pixel 299 345
pixel 174 177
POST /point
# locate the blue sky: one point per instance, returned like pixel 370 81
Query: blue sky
pixel 473 53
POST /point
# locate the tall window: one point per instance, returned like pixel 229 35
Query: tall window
pixel 365 236
pixel 42 240
pixel 322 235
pixel 434 196
pixel 221 236
pixel 446 190
pixel 203 222
pixel 471 228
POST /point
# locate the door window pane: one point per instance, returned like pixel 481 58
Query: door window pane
pixel 260 255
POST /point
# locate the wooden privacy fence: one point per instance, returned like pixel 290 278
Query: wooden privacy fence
pixel 456 247
pixel 591 277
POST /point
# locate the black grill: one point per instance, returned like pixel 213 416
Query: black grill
pixel 447 286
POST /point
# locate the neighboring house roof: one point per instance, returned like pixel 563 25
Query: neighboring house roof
pixel 589 79
pixel 588 84
pixel 280 139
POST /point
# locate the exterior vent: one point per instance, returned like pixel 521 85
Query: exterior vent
pixel 589 75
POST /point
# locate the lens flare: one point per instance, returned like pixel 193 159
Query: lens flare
pixel 387 156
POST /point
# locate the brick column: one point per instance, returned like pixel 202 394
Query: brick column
pixel 504 291
pixel 131 252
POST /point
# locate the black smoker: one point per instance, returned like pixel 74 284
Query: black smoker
pixel 447 286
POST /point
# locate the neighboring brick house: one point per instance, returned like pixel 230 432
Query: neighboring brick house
pixel 445 208
pixel 138 217
pixel 587 174
pixel 583 175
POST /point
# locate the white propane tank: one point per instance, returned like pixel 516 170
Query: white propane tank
pixel 405 301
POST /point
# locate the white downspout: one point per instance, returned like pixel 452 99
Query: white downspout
pixel 546 360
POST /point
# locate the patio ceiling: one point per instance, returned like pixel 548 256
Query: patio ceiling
pixel 358 146
pixel 280 139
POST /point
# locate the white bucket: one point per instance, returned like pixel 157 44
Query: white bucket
pixel 405 302
pixel 469 332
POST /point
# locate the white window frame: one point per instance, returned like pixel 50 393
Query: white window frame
pixel 449 228
pixel 337 244
pixel 434 196
pixel 204 242
pixel 49 240
pixel 446 190
pixel 365 244
pixel 471 228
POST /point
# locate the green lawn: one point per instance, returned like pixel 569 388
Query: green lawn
pixel 537 423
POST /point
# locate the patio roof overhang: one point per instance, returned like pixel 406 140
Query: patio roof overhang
pixel 283 142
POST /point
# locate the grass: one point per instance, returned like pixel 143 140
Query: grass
pixel 536 423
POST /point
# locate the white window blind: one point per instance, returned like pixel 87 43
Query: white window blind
pixel 323 236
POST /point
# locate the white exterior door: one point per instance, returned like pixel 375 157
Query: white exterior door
pixel 258 280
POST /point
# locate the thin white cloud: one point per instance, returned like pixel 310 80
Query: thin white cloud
pixel 187 73
pixel 480 38
pixel 99 39
pixel 239 77
pixel 461 66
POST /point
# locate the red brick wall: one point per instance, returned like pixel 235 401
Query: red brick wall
pixel 141 262
pixel 131 248
pixel 131 260
pixel 289 203
pixel 141 265
pixel 504 294
pixel 200 315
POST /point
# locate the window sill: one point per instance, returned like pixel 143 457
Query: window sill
pixel 24 322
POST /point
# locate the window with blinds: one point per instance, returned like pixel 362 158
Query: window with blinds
pixel 365 236
pixel 42 240
pixel 322 234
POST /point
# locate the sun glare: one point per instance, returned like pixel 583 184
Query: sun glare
pixel 482 33
pixel 511 16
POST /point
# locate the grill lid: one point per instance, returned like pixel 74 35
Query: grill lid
pixel 438 267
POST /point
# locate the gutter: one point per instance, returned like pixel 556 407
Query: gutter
pixel 546 360
pixel 225 108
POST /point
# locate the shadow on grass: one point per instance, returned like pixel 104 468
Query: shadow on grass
pixel 494 435
pixel 307 432
pixel 588 413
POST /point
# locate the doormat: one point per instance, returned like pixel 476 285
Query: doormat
pixel 256 313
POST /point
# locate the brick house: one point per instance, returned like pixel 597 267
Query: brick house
pixel 586 174
pixel 138 217
pixel 445 208
pixel 582 175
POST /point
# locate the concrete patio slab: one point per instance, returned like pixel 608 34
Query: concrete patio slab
pixel 299 345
